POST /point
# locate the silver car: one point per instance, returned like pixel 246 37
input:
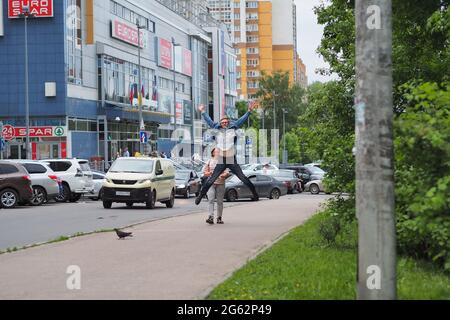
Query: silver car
pixel 45 183
pixel 99 178
pixel 315 187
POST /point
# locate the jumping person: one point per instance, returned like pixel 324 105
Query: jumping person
pixel 217 191
pixel 226 139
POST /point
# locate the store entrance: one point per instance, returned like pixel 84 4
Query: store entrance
pixel 16 151
pixel 48 151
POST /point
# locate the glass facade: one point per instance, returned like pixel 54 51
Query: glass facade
pixel 200 76
pixel 74 42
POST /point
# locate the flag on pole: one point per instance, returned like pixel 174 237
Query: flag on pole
pixel 132 94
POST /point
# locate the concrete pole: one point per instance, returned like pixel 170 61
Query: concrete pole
pixel 374 151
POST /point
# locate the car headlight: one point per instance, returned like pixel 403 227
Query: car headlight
pixel 144 181
pixel 181 186
pixel 108 180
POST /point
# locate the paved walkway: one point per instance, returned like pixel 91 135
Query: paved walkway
pixel 175 258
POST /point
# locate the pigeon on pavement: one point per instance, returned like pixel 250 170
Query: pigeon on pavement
pixel 123 235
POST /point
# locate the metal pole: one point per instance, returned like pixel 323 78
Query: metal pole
pixel 141 119
pixel 174 89
pixel 374 151
pixel 274 113
pixel 27 97
pixel 284 136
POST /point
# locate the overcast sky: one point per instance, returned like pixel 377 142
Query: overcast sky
pixel 309 36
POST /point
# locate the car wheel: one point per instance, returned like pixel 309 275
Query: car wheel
pixel 39 196
pixel 150 204
pixel 107 204
pixel 75 197
pixel 130 205
pixel 64 195
pixel 100 194
pixel 187 195
pixel 171 202
pixel 9 198
pixel 232 195
pixel 275 194
pixel 314 189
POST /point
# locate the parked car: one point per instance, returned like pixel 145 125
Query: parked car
pixel 99 179
pixel 266 187
pixel 45 183
pixel 76 177
pixel 315 187
pixel 15 185
pixel 187 182
pixel 260 168
pixel 290 178
pixel 307 173
pixel 140 180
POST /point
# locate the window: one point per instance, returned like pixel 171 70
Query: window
pixel 252 27
pixel 74 44
pixel 33 168
pixel 8 169
pixel 252 16
pixel 60 166
pixel 252 62
pixel 252 50
pixel 252 39
pixel 251 4
pixel 131 16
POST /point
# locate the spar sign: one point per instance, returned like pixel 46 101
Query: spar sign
pixel 9 132
pixel 38 8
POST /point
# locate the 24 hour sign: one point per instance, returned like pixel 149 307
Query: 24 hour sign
pixel 38 8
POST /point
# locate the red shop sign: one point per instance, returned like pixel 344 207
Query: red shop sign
pixel 128 33
pixel 38 8
pixel 165 53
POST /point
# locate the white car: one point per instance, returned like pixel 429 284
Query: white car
pixel 260 168
pixel 140 180
pixel 76 178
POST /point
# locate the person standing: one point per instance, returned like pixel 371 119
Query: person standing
pixel 126 153
pixel 226 139
pixel 217 191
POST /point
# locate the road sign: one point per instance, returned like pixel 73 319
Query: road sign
pixel 143 137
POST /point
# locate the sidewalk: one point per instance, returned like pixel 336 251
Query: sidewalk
pixel 176 258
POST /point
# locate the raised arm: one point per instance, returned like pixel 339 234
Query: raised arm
pixel 240 122
pixel 206 116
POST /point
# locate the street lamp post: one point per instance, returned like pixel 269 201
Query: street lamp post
pixel 141 118
pixel 284 137
pixel 274 112
pixel 26 14
pixel 174 44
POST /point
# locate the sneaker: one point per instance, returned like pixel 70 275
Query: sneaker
pixel 210 220
pixel 220 221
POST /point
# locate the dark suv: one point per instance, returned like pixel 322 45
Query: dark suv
pixel 15 185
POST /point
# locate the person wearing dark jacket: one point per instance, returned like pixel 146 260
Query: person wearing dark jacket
pixel 226 139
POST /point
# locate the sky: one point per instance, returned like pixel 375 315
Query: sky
pixel 309 36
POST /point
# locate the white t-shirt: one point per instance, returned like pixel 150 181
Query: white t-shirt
pixel 225 142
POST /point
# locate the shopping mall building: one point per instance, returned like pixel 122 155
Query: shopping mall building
pixel 83 76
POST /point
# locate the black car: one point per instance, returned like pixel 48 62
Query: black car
pixel 266 187
pixel 15 185
pixel 187 182
pixel 290 178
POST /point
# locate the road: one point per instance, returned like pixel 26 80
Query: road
pixel 25 226
pixel 176 258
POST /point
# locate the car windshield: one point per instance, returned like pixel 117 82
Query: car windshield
pixel 182 176
pixel 316 170
pixel 132 166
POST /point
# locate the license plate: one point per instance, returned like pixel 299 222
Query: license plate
pixel 123 194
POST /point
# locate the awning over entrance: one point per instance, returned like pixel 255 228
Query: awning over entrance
pixel 113 111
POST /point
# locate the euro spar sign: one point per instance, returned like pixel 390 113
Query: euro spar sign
pixel 38 8
pixel 165 53
pixel 128 33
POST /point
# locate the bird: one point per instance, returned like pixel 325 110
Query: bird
pixel 123 235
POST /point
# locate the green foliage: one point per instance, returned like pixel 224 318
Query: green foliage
pixel 302 266
pixel 423 172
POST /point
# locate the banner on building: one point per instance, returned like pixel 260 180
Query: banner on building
pixel 164 53
pixel 188 112
pixel 10 132
pixel 187 62
pixel 165 104
pixel 1 19
pixel 128 33
pixel 179 112
pixel 38 8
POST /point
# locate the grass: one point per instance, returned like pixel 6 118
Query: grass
pixel 302 266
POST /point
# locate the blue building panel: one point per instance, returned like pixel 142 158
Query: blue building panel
pixel 84 144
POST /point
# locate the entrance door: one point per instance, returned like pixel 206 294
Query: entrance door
pixel 16 151
pixel 48 151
